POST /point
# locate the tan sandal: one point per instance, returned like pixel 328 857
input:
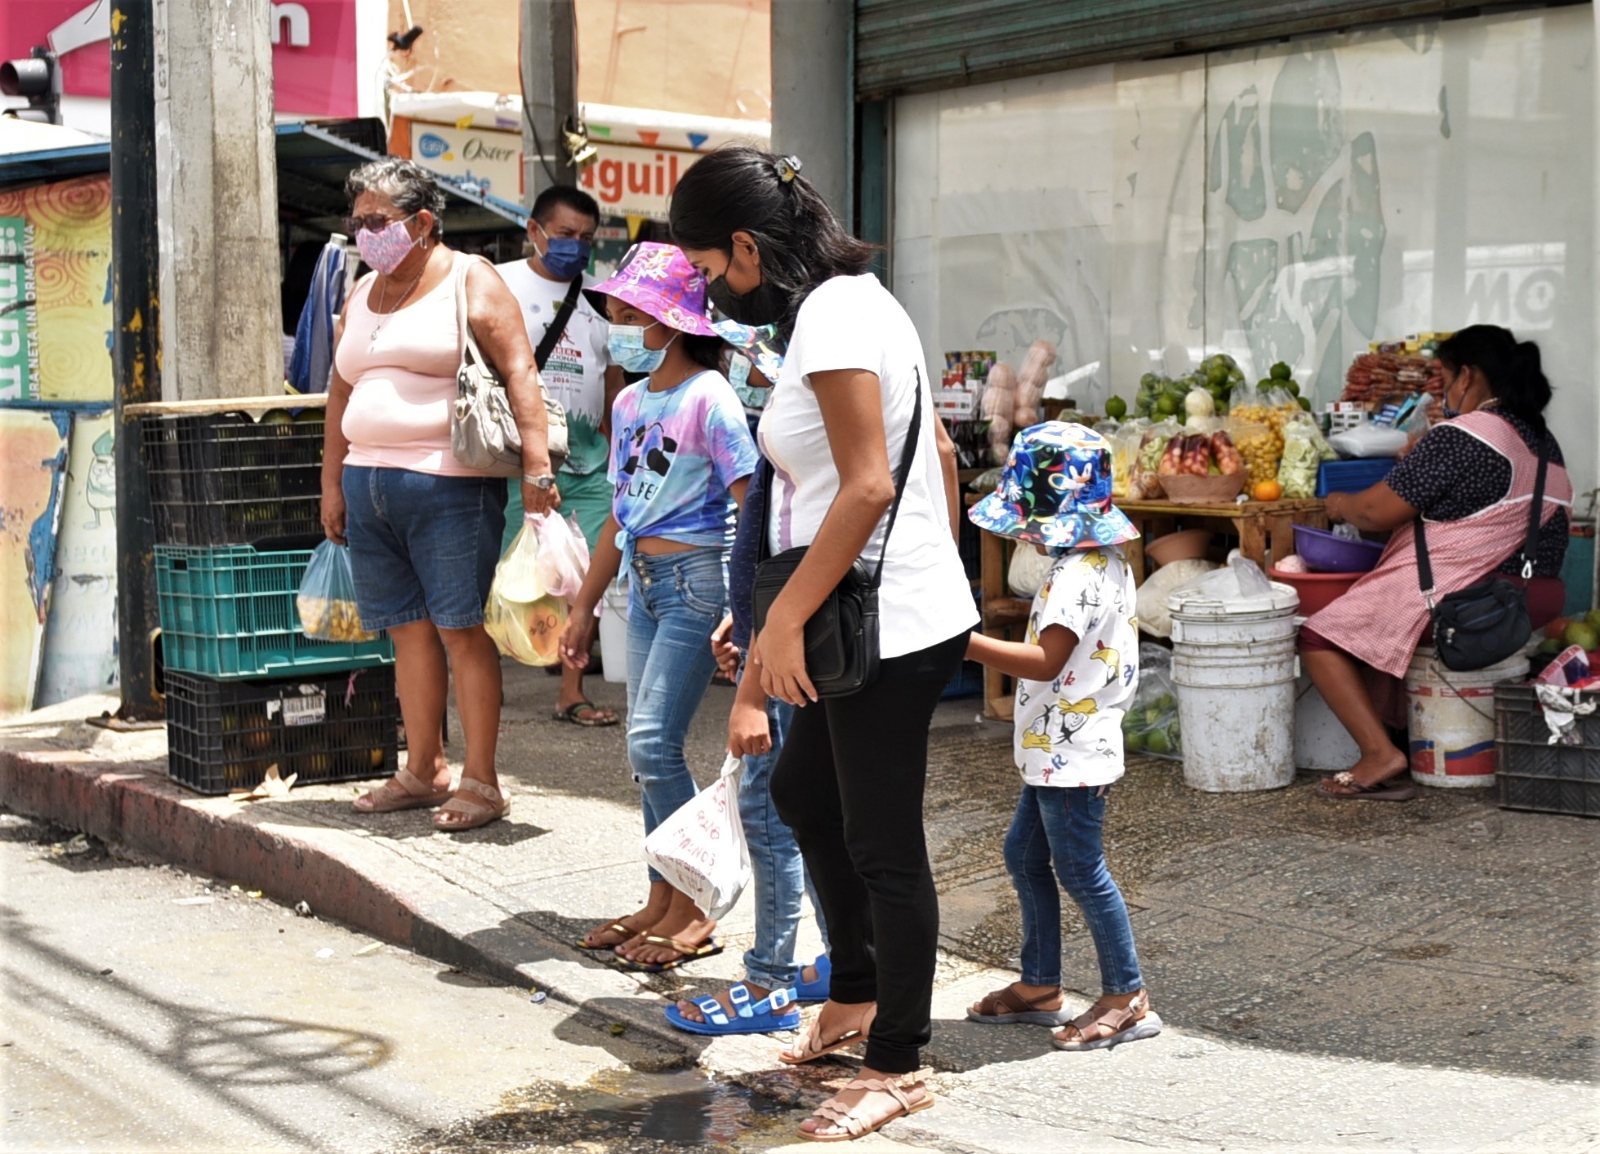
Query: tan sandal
pixel 1008 1007
pixel 814 1047
pixel 475 813
pixel 850 1123
pixel 1111 1026
pixel 414 793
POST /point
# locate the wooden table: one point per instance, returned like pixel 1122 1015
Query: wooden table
pixel 1263 527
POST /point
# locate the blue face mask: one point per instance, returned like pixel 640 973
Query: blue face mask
pixel 564 257
pixel 627 348
pixel 1449 410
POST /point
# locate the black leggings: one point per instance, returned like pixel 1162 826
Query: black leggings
pixel 849 783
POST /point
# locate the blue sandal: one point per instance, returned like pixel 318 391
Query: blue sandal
pixel 776 1011
pixel 808 992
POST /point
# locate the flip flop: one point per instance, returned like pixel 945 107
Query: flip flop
pixel 1378 791
pixel 570 713
pixel 807 993
pixel 687 953
pixel 774 1012
pixel 417 794
pixel 614 928
pixel 1007 1007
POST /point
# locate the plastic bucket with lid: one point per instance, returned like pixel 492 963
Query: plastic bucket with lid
pixel 614 632
pixel 1235 665
pixel 1450 716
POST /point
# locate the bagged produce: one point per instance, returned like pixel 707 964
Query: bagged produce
pixel 1304 450
pixel 1226 454
pixel 326 601
pixel 1260 445
pixel 1028 569
pixel 522 615
pixel 1151 724
pixel 1030 383
pixel 1155 616
pixel 1124 452
pixel 563 553
pixel 1143 482
pixel 701 848
pixel 999 402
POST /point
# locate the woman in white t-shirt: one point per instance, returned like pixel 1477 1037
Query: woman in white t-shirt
pixel 850 779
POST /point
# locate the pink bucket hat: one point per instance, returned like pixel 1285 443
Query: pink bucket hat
pixel 658 279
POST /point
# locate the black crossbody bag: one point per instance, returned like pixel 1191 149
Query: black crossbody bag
pixel 841 637
pixel 1483 624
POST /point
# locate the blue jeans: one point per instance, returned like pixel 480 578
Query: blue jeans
pixel 777 873
pixel 1063 826
pixel 675 601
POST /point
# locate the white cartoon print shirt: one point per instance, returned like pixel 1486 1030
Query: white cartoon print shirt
pixel 1069 731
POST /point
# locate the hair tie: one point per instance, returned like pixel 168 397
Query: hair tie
pixel 788 167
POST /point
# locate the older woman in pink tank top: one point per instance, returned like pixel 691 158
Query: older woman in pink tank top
pixel 424 531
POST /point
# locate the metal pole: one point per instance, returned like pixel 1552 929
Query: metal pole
pixel 136 342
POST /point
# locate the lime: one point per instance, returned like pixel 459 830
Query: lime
pixel 1116 408
pixel 1167 406
pixel 1157 742
pixel 1280 372
pixel 1583 635
pixel 1305 403
pixel 1551 646
pixel 1134 742
pixel 1290 387
pixel 1217 374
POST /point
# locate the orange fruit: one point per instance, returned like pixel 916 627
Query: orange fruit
pixel 1267 491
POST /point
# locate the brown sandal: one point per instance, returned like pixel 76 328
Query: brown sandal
pixel 1349 789
pixel 850 1123
pixel 489 805
pixel 414 793
pixel 1008 1006
pixel 1112 1025
pixel 814 1047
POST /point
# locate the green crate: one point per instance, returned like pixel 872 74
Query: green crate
pixel 229 613
pixel 1532 773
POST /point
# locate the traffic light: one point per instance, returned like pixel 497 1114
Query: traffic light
pixel 38 77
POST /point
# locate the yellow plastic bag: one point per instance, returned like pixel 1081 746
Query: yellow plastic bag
pixel 525 620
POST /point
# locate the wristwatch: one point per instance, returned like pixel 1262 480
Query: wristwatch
pixel 543 481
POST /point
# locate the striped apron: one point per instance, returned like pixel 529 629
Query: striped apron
pixel 1384 616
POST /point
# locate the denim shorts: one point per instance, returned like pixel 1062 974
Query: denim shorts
pixel 422 546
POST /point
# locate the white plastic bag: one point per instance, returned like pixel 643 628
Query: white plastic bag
pixel 1155 618
pixel 523 616
pixel 326 600
pixel 563 553
pixel 701 849
pixel 1369 440
pixel 1028 569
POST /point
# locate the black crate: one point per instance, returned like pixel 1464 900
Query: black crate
pixel 222 735
pixel 229 479
pixel 1533 774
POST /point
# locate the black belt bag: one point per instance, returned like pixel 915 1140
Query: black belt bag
pixel 1486 623
pixel 841 637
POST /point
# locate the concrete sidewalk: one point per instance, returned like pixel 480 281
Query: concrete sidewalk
pixel 1350 976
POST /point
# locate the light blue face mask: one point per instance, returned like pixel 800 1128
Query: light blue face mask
pixel 627 348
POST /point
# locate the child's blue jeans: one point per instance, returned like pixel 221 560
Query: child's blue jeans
pixel 777 873
pixel 1061 828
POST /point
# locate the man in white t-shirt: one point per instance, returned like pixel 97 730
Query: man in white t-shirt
pixel 578 372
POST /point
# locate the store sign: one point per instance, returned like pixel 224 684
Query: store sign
pixel 313 49
pixel 487 160
pixel 635 181
pixel 19 356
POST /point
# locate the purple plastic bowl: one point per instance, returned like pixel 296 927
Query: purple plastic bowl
pixel 1324 553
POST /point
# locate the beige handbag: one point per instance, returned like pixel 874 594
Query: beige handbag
pixel 483 430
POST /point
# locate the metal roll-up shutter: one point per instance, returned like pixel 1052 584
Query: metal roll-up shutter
pixel 916 45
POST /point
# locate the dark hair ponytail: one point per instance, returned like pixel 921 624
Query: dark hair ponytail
pixel 737 188
pixel 1514 369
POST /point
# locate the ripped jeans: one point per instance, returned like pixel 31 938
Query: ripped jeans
pixel 676 600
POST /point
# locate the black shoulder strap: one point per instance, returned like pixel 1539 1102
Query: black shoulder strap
pixel 558 325
pixel 1424 568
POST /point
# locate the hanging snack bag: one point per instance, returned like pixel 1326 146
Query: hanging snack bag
pixel 1144 483
pixel 1124 452
pixel 1304 450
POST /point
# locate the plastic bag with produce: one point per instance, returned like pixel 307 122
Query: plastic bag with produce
pixel 1143 482
pixel 523 616
pixel 1258 437
pixel 326 601
pixel 563 553
pixel 1151 726
pixel 1124 452
pixel 1304 450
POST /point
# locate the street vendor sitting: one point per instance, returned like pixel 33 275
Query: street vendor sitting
pixel 1471 479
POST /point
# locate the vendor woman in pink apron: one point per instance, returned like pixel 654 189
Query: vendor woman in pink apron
pixel 1471 480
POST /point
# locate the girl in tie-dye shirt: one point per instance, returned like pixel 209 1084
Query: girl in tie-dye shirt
pixel 681 457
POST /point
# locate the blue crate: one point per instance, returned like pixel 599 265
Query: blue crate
pixel 229 613
pixel 1352 476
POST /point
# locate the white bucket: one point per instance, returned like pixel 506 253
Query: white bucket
pixel 614 632
pixel 1450 716
pixel 1320 739
pixel 1235 667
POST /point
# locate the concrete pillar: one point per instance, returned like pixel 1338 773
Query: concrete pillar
pixel 216 170
pixel 813 109
pixel 550 92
